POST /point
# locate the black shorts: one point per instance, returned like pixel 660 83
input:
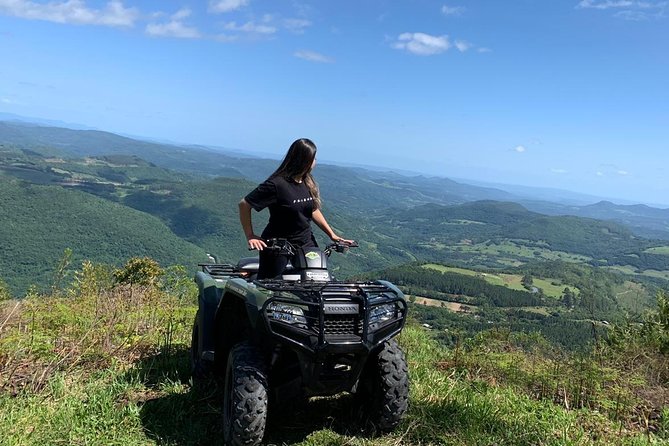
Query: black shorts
pixel 273 264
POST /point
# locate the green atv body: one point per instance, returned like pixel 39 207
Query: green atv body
pixel 303 335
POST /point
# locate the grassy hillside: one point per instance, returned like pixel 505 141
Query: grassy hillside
pixel 38 223
pixel 110 366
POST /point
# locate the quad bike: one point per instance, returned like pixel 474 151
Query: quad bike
pixel 301 336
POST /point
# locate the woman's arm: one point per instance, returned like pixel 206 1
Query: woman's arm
pixel 254 241
pixel 319 219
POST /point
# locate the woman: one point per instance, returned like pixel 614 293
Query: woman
pixel 293 199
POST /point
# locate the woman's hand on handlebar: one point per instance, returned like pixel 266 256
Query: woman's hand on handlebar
pixel 342 240
pixel 256 243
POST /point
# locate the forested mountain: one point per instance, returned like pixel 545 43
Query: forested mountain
pixel 38 223
pixel 175 203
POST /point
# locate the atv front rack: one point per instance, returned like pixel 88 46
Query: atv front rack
pixel 332 317
pixel 321 287
pixel 218 270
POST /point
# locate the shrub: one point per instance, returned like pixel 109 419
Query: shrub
pixel 5 294
pixel 139 271
pixel 92 279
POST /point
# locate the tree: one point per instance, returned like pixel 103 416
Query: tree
pixel 568 297
pixel 527 281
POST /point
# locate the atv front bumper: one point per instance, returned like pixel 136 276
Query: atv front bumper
pixel 333 328
pixel 335 318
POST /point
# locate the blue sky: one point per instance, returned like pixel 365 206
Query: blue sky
pixel 571 94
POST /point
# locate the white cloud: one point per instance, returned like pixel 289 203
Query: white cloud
pixel 453 10
pixel 609 4
pixel 622 172
pixel 296 26
pixel 462 46
pixel 71 12
pixel 520 149
pixel 250 27
pixel 422 44
pixel 6 101
pixel 628 9
pixel 313 56
pixel 218 6
pixel 484 50
pixel 559 171
pixel 635 16
pixel 600 174
pixel 182 14
pixel 175 27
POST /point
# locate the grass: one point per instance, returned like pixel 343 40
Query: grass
pixel 658 250
pixel 101 365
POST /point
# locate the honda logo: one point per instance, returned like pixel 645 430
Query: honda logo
pixel 341 308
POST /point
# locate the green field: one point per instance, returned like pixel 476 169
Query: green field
pixel 512 251
pixel 632 271
pixel 657 274
pixel 632 296
pixel 551 287
pixel 658 250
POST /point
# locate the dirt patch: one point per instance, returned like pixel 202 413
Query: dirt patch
pixel 453 306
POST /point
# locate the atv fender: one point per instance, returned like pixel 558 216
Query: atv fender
pixel 209 296
pixel 396 290
pixel 247 293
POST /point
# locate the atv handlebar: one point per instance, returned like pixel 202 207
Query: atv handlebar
pixel 339 246
pixel 282 245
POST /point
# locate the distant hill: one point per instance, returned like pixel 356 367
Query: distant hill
pixel 38 223
pixel 344 184
pixel 434 227
pixel 643 220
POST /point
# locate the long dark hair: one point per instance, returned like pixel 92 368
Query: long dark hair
pixel 297 165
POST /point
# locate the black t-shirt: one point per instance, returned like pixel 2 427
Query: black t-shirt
pixel 290 207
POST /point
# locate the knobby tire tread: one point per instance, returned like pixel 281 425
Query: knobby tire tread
pixel 390 395
pixel 249 393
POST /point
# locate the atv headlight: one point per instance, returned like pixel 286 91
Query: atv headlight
pixel 380 314
pixel 289 314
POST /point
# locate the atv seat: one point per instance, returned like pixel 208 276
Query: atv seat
pixel 251 265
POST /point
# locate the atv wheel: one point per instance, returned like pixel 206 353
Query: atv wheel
pixel 384 387
pixel 245 397
pixel 197 367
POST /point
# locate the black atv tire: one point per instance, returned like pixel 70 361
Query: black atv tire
pixel 198 368
pixel 383 392
pixel 245 398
